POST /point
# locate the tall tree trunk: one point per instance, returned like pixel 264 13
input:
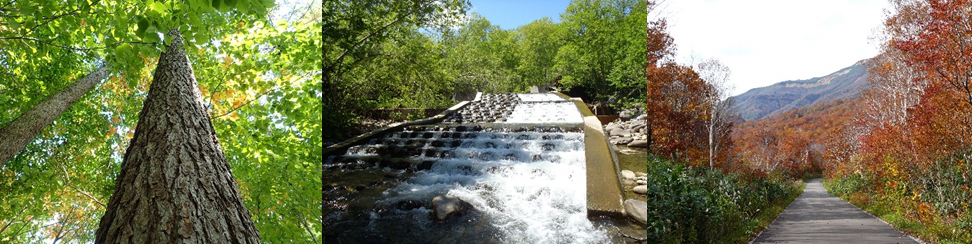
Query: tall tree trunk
pixel 22 130
pixel 175 185
pixel 711 146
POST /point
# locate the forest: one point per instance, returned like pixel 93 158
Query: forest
pixel 417 54
pixel 899 150
pixel 244 80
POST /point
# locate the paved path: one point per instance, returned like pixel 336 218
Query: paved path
pixel 818 217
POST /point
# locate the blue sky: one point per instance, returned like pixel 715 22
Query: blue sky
pixel 509 14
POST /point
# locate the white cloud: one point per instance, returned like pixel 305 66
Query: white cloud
pixel 768 41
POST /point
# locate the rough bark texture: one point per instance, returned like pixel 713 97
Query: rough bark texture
pixel 175 185
pixel 22 130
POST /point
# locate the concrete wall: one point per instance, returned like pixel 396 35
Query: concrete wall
pixel 604 192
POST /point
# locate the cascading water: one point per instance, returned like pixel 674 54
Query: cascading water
pixel 522 169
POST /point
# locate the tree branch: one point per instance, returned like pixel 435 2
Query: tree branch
pixel 246 103
pixel 358 43
pixel 68 183
pixel 12 220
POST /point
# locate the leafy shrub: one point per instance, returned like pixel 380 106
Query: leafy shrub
pixel 702 205
pixel 847 185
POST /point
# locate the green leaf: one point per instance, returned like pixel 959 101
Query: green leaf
pixel 121 53
pixel 158 7
pixel 29 10
pixel 201 38
pixel 146 50
pixel 152 35
pixel 143 25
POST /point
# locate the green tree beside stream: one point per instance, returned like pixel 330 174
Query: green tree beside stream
pixel 385 54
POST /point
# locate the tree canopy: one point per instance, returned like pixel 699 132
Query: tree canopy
pixel 260 80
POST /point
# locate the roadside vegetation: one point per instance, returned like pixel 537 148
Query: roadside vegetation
pixel 701 205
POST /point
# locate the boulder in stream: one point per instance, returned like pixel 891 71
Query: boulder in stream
pixel 627 174
pixel 638 143
pixel 446 206
pixel 620 132
pixel 642 189
pixel 637 210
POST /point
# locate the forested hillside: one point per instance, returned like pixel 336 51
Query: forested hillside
pixel 417 54
pixel 760 102
pixel 74 76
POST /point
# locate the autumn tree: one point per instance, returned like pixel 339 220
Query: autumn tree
pixel 678 130
pixel 718 124
pixel 659 46
pixel 940 44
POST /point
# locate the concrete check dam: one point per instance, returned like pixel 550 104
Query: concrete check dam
pixel 509 168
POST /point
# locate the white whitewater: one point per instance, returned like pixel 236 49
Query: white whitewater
pixel 530 188
pixel 526 180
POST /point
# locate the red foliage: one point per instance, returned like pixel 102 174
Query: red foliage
pixel 677 113
pixel 795 141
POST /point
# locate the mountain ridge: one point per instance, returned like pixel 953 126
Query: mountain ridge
pixel 791 94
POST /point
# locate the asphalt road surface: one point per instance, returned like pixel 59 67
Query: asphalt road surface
pixel 818 217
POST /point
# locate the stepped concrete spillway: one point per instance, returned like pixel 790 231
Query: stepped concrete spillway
pixel 533 166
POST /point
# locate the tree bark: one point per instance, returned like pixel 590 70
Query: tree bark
pixel 15 136
pixel 175 185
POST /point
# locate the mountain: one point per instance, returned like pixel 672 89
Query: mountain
pixel 784 96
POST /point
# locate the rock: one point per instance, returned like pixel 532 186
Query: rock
pixel 446 206
pixel 638 143
pixel 641 189
pixel 637 210
pixel 626 114
pixel 611 127
pixel 641 174
pixel 621 141
pixel 628 174
pixel 620 132
pixel 641 182
pixel 628 182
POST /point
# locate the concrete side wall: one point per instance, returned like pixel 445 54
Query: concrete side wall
pixel 340 147
pixel 604 194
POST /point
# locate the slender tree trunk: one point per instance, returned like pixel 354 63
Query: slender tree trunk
pixel 711 146
pixel 22 130
pixel 175 185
